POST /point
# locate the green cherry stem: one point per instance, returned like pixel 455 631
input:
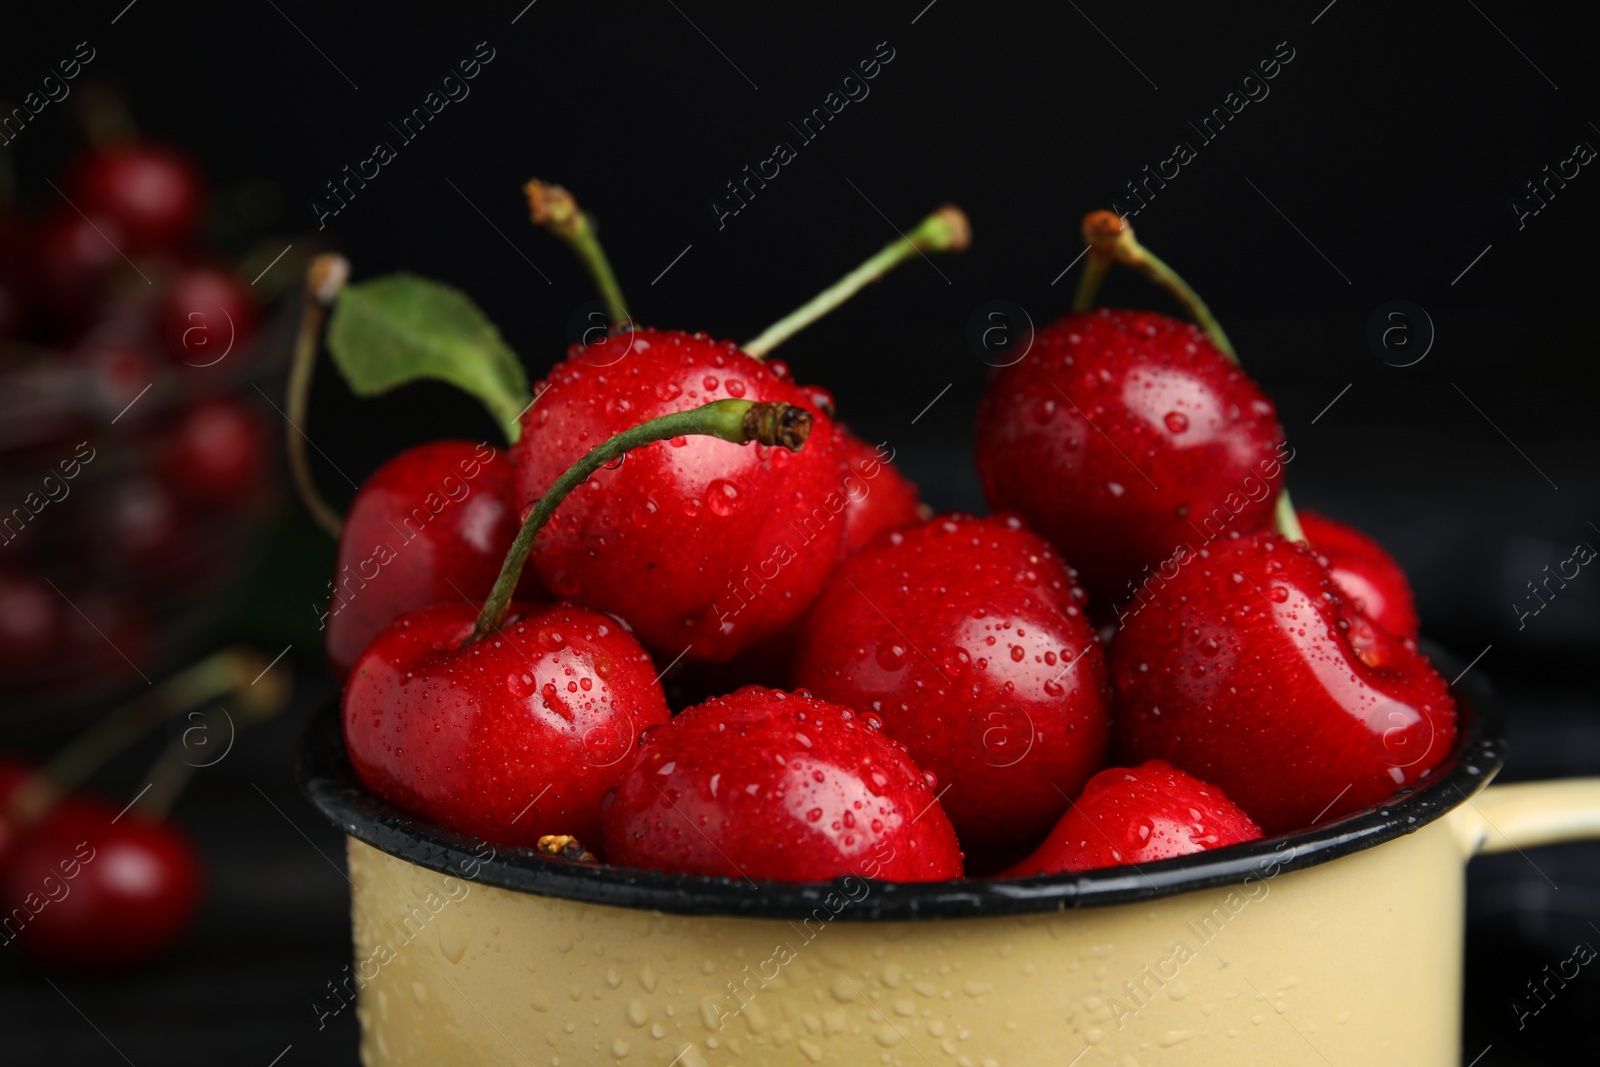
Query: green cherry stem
pixel 325 277
pixel 1111 237
pixel 1288 523
pixel 556 210
pixel 768 422
pixel 946 230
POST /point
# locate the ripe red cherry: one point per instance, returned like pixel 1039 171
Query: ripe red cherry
pixel 207 316
pixel 877 496
pixel 100 893
pixel 1123 435
pixel 1367 575
pixel 143 524
pixel 31 622
pixel 1252 672
pixel 1138 815
pixel 704 550
pixel 153 193
pixel 781 786
pixel 431 525
pixel 510 738
pixel 74 256
pixel 217 452
pixel 967 637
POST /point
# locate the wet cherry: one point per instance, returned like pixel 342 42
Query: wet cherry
pixel 1124 435
pixel 510 738
pixel 763 784
pixel 967 637
pixel 1366 574
pixel 1249 670
pixel 1138 815
pixel 431 525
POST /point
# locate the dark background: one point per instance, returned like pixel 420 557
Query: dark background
pixel 1385 159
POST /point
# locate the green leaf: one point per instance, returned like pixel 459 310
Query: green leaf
pixel 399 328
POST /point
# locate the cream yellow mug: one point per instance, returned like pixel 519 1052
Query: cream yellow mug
pixel 1338 945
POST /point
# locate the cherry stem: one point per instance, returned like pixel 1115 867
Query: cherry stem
pixel 946 230
pixel 1288 522
pixel 1112 236
pixel 1094 272
pixel 556 210
pixel 219 673
pixel 768 422
pixel 325 277
pixel 252 703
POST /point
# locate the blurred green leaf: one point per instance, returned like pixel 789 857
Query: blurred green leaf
pixel 400 328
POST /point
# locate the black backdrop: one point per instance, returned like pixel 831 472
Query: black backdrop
pixel 1383 161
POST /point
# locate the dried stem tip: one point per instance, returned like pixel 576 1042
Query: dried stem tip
pixel 566 846
pixel 326 276
pixel 554 208
pixel 772 422
pixel 1102 230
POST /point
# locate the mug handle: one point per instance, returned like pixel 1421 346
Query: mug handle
pixel 1526 814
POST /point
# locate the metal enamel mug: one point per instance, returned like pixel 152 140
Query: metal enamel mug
pixel 1341 944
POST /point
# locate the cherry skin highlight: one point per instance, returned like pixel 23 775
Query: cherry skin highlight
pixel 1123 435
pixel 1133 815
pixel 763 784
pixel 510 738
pixel 154 194
pixel 1249 670
pixel 102 893
pixel 1367 575
pixel 431 525
pixel 704 547
pixel 207 316
pixel 967 637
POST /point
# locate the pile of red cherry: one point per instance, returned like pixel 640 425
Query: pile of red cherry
pixel 128 463
pixel 936 696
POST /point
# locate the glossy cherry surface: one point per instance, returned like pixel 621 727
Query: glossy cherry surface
pixel 704 547
pixel 1123 435
pixel 154 194
pixel 207 316
pixel 877 496
pixel 764 784
pixel 431 525
pixel 1367 575
pixel 217 452
pixel 967 637
pixel 509 738
pixel 1251 671
pixel 100 892
pixel 1133 815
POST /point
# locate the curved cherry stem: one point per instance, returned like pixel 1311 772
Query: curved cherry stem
pixel 946 230
pixel 232 669
pixel 1111 237
pixel 768 422
pixel 1094 272
pixel 556 210
pixel 325 277
pixel 1111 240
